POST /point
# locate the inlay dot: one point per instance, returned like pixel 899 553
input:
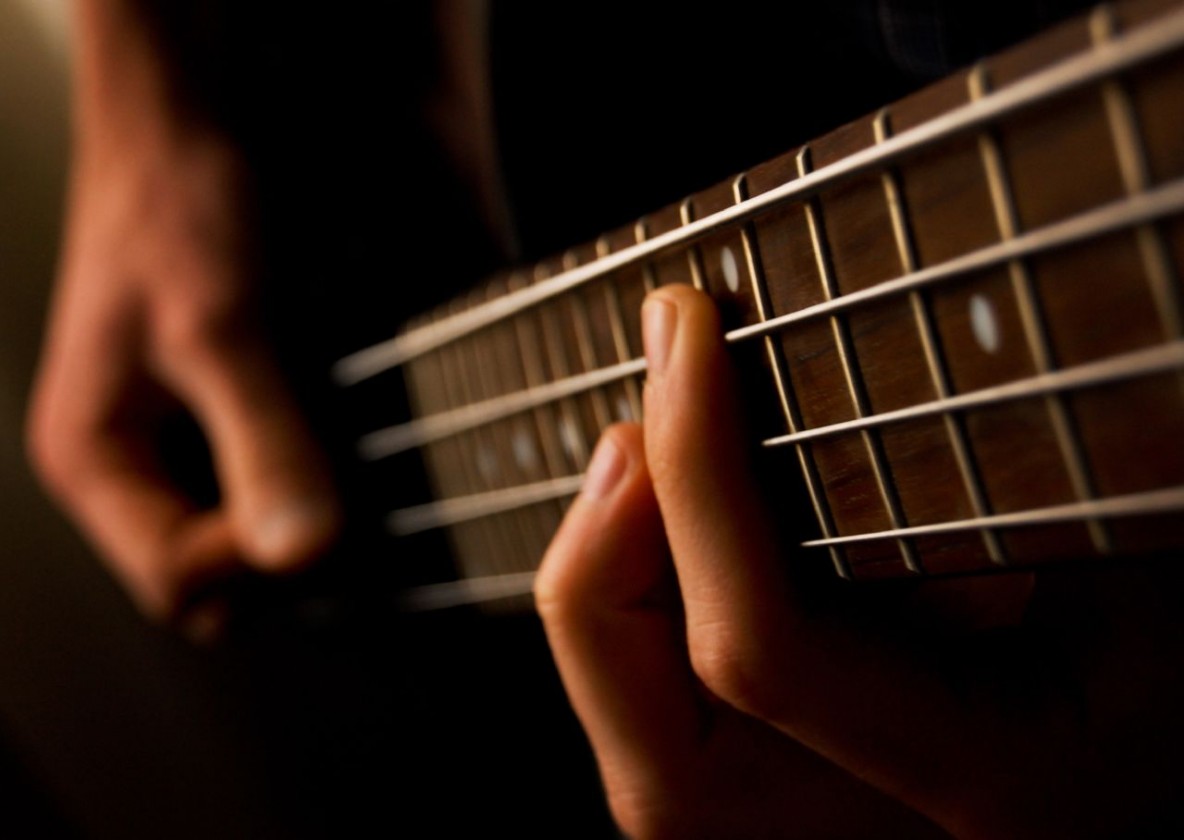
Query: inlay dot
pixel 984 323
pixel 624 409
pixel 569 437
pixel 526 455
pixel 731 269
pixel 487 464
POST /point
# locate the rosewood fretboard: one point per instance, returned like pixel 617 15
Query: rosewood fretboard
pixel 967 309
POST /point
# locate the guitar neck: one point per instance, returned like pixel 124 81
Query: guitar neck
pixel 962 313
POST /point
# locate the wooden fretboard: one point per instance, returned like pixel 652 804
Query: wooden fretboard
pixel 967 310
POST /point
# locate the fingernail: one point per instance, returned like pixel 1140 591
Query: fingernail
pixel 605 470
pixel 284 533
pixel 658 320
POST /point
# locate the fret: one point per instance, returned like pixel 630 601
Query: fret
pixel 1150 283
pixel 528 450
pixel 641 233
pixel 678 265
pixel 425 389
pixel 479 453
pixel 578 313
pixel 572 436
pixel 951 333
pixel 1136 177
pixel 1039 345
pixel 1157 203
pixel 530 356
pixel 725 270
pixel 630 285
pixel 776 354
pixel 1125 302
pixel 1098 223
pixel 487 537
pixel 686 214
pixel 932 347
pixel 845 348
pixel 445 466
pixel 616 317
pixel 493 380
pixel 1071 74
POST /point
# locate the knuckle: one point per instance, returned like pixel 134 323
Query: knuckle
pixel 731 668
pixel 206 320
pixel 642 818
pixel 51 452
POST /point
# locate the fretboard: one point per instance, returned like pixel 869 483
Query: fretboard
pixel 962 313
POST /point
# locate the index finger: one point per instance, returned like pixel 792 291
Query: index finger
pixel 880 709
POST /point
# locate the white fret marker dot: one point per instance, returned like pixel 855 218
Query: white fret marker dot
pixel 731 269
pixel 624 410
pixel 487 464
pixel 984 323
pixel 569 437
pixel 526 456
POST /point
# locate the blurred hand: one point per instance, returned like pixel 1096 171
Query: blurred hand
pixel 722 701
pixel 154 312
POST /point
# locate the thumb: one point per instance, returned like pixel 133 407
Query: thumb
pixel 274 477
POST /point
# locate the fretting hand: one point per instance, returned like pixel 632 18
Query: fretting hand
pixel 721 702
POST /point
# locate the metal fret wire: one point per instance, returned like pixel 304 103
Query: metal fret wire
pixel 587 352
pixel 528 356
pixel 522 341
pixel 575 444
pixel 492 377
pixel 845 347
pixel 1140 46
pixel 1140 363
pixel 616 318
pixel 1126 212
pixel 1136 175
pixel 780 368
pixel 934 359
pixel 482 544
pixel 686 214
pixel 503 534
pixel 1031 316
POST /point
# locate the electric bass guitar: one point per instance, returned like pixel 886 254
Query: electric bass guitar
pixel 960 319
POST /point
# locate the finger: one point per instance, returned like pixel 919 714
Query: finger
pixel 870 706
pixel 695 452
pixel 673 764
pixel 605 595
pixel 98 462
pixel 275 481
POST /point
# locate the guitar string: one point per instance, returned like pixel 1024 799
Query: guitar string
pixel 494 587
pixel 1122 214
pixel 1162 358
pixel 1149 503
pixel 1138 47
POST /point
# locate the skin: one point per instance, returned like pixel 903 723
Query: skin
pixel 722 700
